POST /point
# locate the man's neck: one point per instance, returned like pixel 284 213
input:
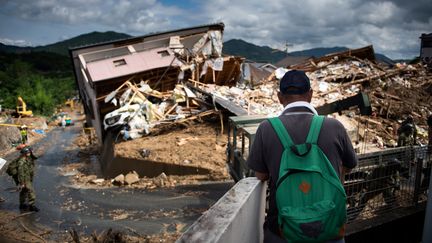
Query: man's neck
pixel 293 101
pixel 300 103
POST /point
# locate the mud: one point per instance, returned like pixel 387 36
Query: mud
pixel 70 202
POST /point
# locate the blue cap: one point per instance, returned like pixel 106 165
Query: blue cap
pixel 294 82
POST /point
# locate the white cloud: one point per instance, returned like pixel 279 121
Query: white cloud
pixel 392 26
pixel 380 13
pixel 324 23
pixel 7 41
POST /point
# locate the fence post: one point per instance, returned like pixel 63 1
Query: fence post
pixel 417 182
pixel 427 233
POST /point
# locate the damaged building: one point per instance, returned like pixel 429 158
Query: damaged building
pixel 139 82
pixel 426 49
pixel 131 86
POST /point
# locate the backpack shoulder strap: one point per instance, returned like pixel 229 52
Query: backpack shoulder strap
pixel 281 131
pixel 314 129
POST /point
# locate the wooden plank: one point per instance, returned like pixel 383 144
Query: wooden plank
pixel 376 76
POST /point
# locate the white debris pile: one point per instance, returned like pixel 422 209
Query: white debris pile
pixel 260 100
pixel 137 114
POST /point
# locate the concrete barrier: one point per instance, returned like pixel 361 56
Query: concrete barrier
pixel 237 217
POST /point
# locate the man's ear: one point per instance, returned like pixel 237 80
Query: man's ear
pixel 310 94
pixel 280 97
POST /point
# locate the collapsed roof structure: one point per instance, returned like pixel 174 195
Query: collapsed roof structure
pixel 156 61
pixel 128 86
pixel 394 92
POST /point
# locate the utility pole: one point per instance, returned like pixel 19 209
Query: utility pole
pixel 287 45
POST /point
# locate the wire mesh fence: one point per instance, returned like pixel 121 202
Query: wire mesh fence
pixel 387 181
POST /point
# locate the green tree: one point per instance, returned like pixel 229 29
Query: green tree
pixel 42 84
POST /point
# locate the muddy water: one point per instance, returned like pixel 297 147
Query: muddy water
pixel 64 206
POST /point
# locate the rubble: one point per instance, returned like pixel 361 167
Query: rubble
pixel 119 180
pixel 97 181
pixel 131 178
pixel 137 114
pixel 394 92
pixel 141 110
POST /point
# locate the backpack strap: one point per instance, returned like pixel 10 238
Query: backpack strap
pixel 281 131
pixel 315 129
pixel 288 144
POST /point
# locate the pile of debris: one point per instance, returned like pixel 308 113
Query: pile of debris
pixel 394 92
pixel 142 108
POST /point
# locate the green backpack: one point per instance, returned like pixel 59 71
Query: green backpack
pixel 12 169
pixel 309 195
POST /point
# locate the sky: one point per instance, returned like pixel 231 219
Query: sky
pixel 392 27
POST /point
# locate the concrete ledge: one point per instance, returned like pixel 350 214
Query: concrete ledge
pixel 237 217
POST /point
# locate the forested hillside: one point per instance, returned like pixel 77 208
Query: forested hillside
pixel 43 79
pixel 42 75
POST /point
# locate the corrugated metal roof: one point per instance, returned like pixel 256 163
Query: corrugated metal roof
pixel 220 26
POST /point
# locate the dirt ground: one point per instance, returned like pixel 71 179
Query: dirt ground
pixel 199 144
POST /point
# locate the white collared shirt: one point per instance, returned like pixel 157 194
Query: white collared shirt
pixel 299 104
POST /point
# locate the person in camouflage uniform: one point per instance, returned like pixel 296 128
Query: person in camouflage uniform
pixel 407 133
pixel 24 179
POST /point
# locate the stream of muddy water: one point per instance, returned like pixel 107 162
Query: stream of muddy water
pixel 64 206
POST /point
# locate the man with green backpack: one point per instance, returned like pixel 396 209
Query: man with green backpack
pixel 303 156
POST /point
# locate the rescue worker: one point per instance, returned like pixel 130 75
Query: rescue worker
pixel 24 179
pixel 63 122
pixel 429 122
pixel 24 134
pixel 407 133
pixel 428 163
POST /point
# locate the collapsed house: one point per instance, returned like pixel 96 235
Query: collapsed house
pixel 130 86
pixel 386 186
pixel 138 82
pixel 394 93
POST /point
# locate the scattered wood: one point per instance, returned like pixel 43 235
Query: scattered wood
pixel 74 235
pixel 31 232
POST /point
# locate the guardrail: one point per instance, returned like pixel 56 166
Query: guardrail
pixel 237 217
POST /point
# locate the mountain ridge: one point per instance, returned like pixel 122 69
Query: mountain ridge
pixel 62 47
pixel 237 47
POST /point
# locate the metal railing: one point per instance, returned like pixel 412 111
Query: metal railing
pixel 387 181
pixel 385 186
